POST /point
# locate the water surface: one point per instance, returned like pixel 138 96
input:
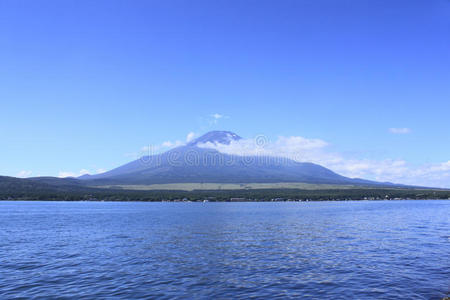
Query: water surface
pixel 317 250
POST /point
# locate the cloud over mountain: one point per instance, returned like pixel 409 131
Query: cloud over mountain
pixel 302 149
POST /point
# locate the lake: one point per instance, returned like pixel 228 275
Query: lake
pixel 316 250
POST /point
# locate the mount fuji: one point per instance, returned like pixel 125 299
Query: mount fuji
pixel 193 163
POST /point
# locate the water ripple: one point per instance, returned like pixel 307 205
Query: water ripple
pixel 351 250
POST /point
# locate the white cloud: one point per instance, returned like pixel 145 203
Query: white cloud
pixel 153 149
pixel 445 166
pixel 167 144
pixel 399 130
pixel 294 147
pixel 101 170
pixel 156 149
pixel 216 117
pixel 190 136
pixel 24 173
pixel 64 174
pixel 303 149
pixel 83 172
pixel 298 142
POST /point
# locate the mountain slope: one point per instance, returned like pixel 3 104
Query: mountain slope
pixel 193 164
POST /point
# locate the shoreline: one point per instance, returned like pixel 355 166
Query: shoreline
pixel 201 201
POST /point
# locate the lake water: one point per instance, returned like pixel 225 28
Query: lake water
pixel 316 250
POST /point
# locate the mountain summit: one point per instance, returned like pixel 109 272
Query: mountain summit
pixel 216 137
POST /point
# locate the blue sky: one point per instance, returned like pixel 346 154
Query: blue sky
pixel 84 84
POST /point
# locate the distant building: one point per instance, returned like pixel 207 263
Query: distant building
pixel 237 199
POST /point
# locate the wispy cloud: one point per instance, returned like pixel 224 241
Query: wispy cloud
pixel 24 173
pixel 294 147
pixel 400 130
pixel 99 171
pixel 64 174
pixel 158 148
pixel 153 149
pixel 190 136
pixel 216 117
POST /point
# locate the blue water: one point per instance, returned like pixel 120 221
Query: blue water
pixel 316 250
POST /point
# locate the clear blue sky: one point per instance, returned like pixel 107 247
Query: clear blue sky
pixel 82 83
